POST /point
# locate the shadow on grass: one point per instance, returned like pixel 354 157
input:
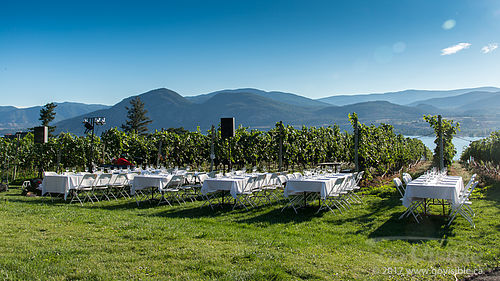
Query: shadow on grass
pixel 39 200
pixel 430 228
pixel 197 211
pixel 364 214
pixel 493 193
pixel 279 216
pixel 121 203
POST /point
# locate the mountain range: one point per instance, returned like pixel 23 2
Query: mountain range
pixel 476 109
pixel 13 119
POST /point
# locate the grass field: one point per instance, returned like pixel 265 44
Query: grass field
pixel 45 240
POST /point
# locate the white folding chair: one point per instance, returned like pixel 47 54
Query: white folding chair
pixel 101 184
pixel 461 209
pixel 467 189
pixel 344 191
pixel 85 187
pixel 171 190
pixel 257 191
pixel 350 187
pixel 357 180
pixel 399 186
pixel 269 189
pixel 120 185
pixel 414 203
pixel 196 187
pixel 331 199
pixel 245 194
pixel 407 178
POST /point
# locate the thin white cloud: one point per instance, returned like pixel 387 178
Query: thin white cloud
pixel 489 48
pixel 454 49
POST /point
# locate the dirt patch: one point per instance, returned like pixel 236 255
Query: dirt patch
pixel 491 275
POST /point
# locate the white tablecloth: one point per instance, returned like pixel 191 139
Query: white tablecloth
pixel 322 185
pixel 146 181
pixel 447 187
pixel 60 184
pixel 235 185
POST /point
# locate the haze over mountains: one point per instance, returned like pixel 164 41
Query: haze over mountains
pixel 477 109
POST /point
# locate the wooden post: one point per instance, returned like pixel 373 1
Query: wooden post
pixel 356 144
pixel 441 152
pixel 281 147
pixel 212 153
pixel 58 159
pixel 103 151
pixel 17 157
pixel 159 153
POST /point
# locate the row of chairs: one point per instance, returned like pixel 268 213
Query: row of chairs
pixel 416 204
pixel 464 206
pixel 181 188
pixel 107 186
pixel 343 193
pixel 340 196
pixel 258 190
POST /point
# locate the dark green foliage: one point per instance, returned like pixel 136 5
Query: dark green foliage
pixel 486 150
pixel 47 115
pixel 178 131
pixel 449 128
pixel 380 149
pixel 137 120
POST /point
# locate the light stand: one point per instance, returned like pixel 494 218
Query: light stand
pixel 90 124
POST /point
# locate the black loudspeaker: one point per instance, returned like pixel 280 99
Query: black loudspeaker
pixel 41 134
pixel 227 127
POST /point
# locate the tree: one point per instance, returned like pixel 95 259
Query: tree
pixel 449 128
pixel 137 120
pixel 47 115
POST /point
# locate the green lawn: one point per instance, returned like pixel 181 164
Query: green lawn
pixel 41 239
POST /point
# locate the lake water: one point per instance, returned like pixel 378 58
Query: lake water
pixel 460 143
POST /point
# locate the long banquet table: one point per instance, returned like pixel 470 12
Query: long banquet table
pixel 235 185
pixel 60 184
pixel 320 184
pixel 141 182
pixel 446 188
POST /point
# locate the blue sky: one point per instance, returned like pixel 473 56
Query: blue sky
pixel 104 51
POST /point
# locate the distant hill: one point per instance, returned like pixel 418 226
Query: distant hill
pixel 477 111
pixel 406 97
pixel 168 109
pixel 282 97
pixel 165 107
pixel 486 106
pixel 455 102
pixel 13 119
